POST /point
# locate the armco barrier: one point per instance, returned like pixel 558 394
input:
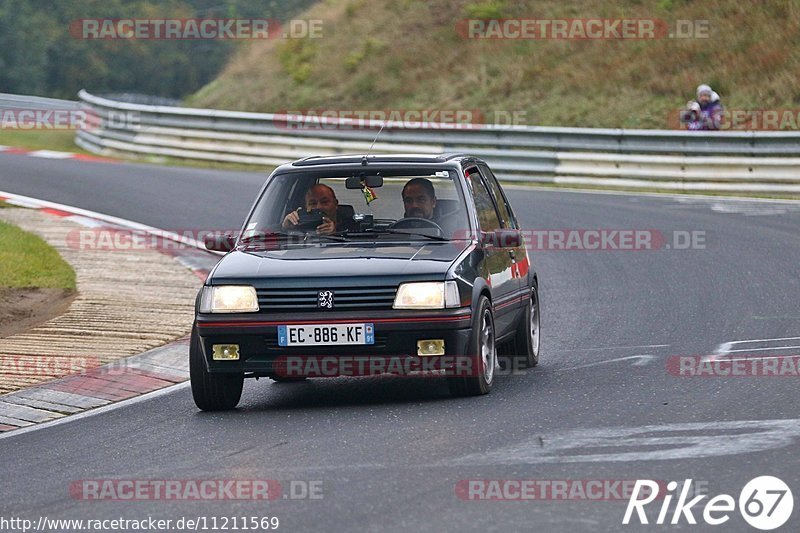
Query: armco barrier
pixel 732 161
pixel 21 101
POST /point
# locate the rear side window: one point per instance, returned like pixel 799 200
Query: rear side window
pixel 484 205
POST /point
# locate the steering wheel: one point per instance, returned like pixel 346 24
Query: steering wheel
pixel 417 222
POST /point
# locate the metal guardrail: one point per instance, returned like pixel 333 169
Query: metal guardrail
pixel 20 101
pixel 742 161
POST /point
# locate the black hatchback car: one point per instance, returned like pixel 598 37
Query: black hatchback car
pixel 363 265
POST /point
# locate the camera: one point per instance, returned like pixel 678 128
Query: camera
pixel 688 116
pixel 691 113
pixel 310 219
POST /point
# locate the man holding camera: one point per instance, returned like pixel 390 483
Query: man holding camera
pixel 705 113
pixel 323 198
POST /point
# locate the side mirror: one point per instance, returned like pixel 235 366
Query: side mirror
pixel 354 182
pixel 219 242
pixel 502 238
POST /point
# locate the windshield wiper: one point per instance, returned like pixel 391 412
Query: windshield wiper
pixel 283 236
pixel 401 232
pixel 263 237
pixel 333 237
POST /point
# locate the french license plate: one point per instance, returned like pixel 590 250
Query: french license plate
pixel 326 334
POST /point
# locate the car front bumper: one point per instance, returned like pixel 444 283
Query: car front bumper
pixel 395 347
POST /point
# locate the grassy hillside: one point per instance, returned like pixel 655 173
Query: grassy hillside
pixel 406 54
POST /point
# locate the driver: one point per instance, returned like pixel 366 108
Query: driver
pixel 321 197
pixel 419 198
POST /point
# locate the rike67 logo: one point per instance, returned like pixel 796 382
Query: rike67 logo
pixel 765 503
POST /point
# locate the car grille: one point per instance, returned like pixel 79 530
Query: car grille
pixel 344 299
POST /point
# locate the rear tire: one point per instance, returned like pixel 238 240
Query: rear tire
pixel 528 337
pixel 211 392
pixel 482 353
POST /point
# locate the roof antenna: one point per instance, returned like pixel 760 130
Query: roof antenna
pixel 364 159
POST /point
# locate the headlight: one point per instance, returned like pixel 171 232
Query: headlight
pixel 427 295
pixel 229 299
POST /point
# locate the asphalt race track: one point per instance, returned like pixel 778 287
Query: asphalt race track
pixel 389 453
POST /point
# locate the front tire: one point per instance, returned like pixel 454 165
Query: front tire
pixel 482 353
pixel 211 392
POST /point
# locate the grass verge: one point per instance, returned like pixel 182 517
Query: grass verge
pixel 64 141
pixel 28 261
pixel 60 140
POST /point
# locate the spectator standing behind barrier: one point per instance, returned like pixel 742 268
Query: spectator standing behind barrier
pixel 705 113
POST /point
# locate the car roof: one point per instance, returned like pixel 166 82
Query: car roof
pixel 366 160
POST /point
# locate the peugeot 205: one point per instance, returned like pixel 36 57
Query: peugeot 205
pixel 362 265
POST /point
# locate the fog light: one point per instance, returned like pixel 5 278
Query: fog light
pixel 430 347
pixel 225 352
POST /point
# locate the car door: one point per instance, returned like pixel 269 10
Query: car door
pixel 519 254
pixel 499 265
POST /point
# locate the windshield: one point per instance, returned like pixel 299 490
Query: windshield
pixel 369 204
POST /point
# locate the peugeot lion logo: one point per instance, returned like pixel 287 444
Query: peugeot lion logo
pixel 325 299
